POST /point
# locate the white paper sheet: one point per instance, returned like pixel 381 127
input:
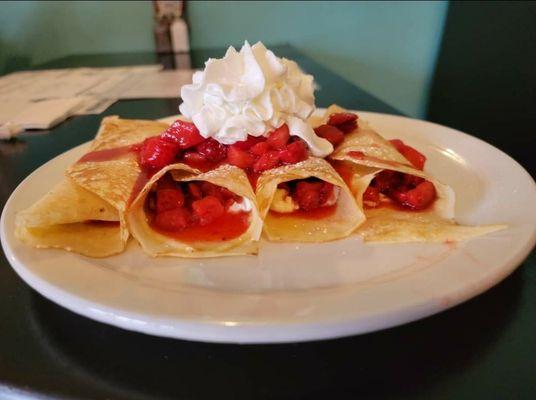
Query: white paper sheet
pixel 41 99
pixel 45 114
pixel 162 84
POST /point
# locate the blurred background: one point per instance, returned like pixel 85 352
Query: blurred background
pixel 470 65
pixel 387 48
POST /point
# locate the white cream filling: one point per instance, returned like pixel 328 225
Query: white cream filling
pixel 243 206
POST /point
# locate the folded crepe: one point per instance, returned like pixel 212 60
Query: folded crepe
pixel 158 243
pixel 363 155
pixel 84 213
pixel 344 219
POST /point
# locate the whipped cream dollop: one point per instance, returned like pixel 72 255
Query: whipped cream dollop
pixel 252 92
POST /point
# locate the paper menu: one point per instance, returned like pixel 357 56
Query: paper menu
pixel 26 98
pixel 18 114
pixel 164 84
pixel 70 82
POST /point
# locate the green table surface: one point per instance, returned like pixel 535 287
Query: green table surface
pixel 482 349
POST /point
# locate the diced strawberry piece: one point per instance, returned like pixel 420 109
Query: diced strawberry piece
pixel 346 122
pixel 347 127
pixel 249 142
pixel 169 199
pixel 330 133
pixel 416 158
pixel 166 182
pixel 156 153
pixel 307 195
pixel 227 194
pixel 418 198
pixel 326 191
pixel 209 189
pixel 371 197
pixel 240 158
pixel 194 159
pixel 173 220
pixel 410 181
pixel 294 152
pixel 253 177
pixel 387 181
pixel 259 149
pixel 212 150
pixel 284 186
pixel 336 119
pixel 279 137
pixel 183 133
pixel 195 191
pixel 268 160
pixel 208 209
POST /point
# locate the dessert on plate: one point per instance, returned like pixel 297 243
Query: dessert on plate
pixel 246 158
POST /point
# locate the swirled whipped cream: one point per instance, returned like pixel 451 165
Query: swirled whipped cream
pixel 252 92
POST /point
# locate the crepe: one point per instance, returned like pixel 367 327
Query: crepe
pixel 61 220
pixel 360 157
pixel 287 227
pixel 157 244
pixel 394 225
pixel 85 212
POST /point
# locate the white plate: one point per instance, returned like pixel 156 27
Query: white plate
pixel 298 292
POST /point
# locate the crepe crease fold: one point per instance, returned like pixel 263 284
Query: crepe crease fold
pixel 78 213
pixel 364 154
pixel 346 218
pixel 157 244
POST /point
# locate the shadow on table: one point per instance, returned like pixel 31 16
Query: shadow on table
pixel 399 362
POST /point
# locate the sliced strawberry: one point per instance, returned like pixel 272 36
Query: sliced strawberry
pixel 249 142
pixel 208 209
pixel 418 198
pixel 371 197
pixel 169 199
pixel 259 149
pixel 330 133
pixel 268 160
pixel 183 133
pixel 307 195
pixel 212 150
pixel 173 220
pixel 194 191
pixel 240 158
pixel 416 158
pixel 156 153
pixel 346 122
pixel 294 152
pixel 279 137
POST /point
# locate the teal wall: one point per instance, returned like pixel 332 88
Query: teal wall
pixel 388 48
pixel 32 32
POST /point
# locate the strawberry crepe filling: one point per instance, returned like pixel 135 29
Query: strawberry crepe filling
pixel 306 198
pixel 182 142
pixel 196 210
